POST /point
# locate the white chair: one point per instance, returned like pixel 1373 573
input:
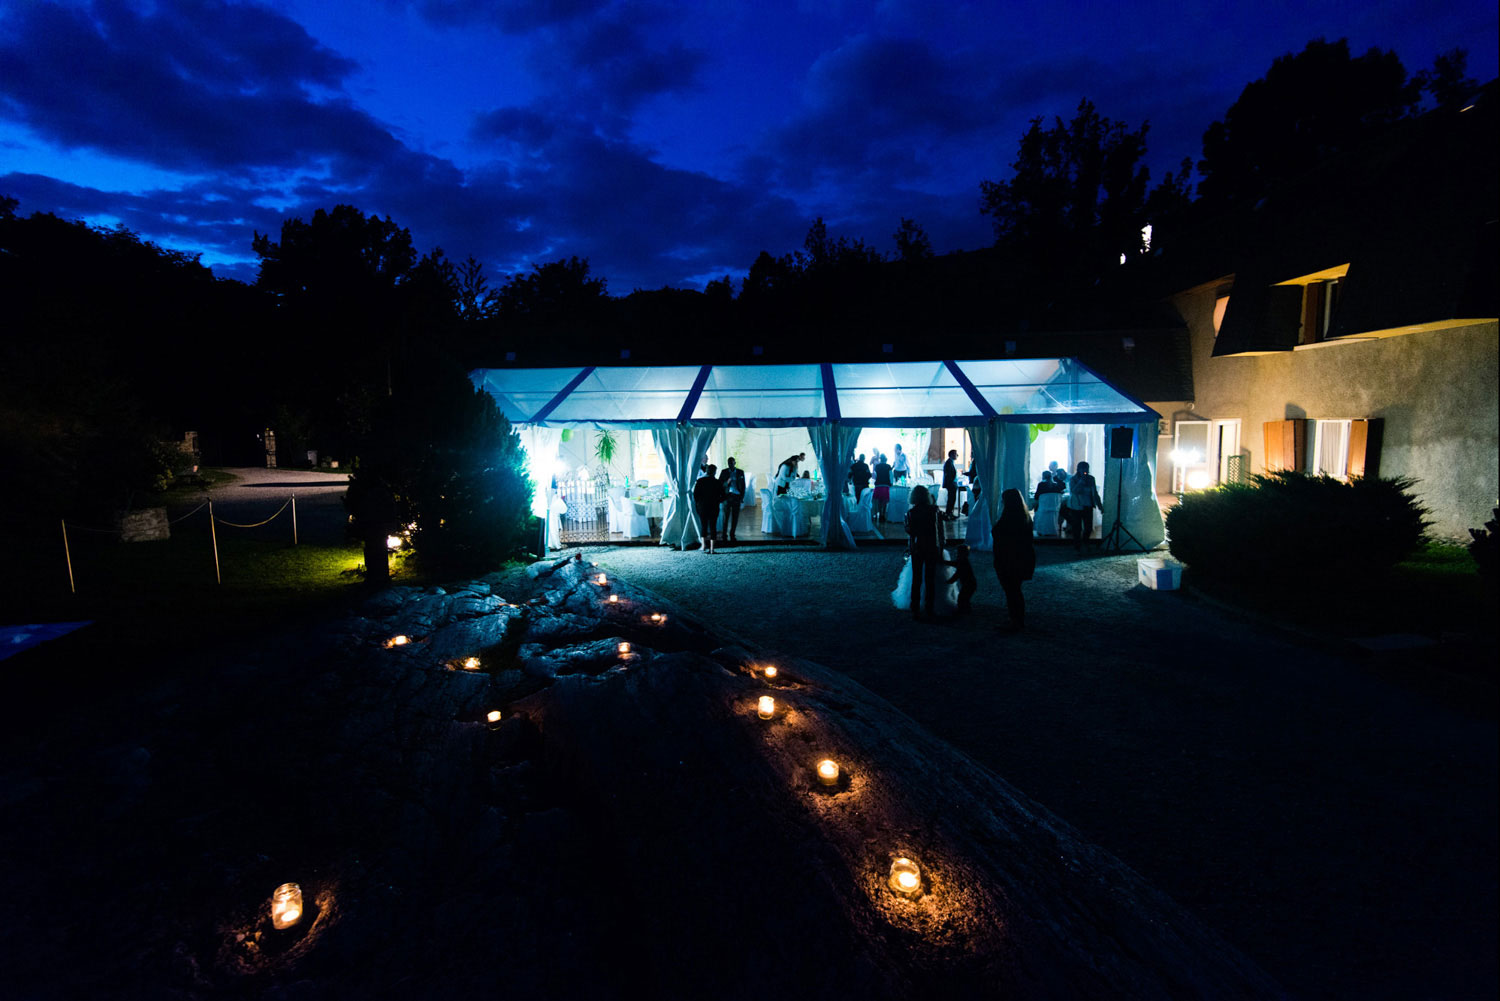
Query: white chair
pixel 616 511
pixel 767 526
pixel 750 494
pixel 632 523
pixel 895 511
pixel 788 518
pixel 1046 516
pixel 860 515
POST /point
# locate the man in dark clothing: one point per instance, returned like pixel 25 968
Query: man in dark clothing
pixel 882 487
pixel 950 483
pixel 733 479
pixel 708 493
pixel 859 475
pixel 924 529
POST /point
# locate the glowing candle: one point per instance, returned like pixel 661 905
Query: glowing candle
pixel 601 580
pixel 906 878
pixel 286 905
pixel 766 707
pixel 493 716
pixel 400 640
pixel 624 649
pixel 770 670
pixel 828 772
pixel 614 599
pixel 471 663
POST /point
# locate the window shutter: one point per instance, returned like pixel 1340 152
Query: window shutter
pixel 1364 446
pixel 1286 445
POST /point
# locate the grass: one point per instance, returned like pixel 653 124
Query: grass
pixel 1435 592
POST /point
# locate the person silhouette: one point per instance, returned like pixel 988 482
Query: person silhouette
pixel 733 481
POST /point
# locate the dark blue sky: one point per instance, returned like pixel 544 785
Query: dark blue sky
pixel 668 143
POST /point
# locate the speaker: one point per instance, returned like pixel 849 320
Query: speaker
pixel 1121 443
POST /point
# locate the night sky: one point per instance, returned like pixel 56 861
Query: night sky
pixel 669 144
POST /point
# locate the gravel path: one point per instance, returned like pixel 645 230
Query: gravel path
pixel 1338 828
pixel 258 494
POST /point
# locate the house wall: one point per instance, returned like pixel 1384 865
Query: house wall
pixel 1436 391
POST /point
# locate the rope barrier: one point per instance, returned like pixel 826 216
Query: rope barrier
pixel 184 517
pixel 258 523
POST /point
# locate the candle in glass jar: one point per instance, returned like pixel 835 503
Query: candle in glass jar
pixel 493 716
pixel 906 877
pixel 601 580
pixel 614 599
pixel 624 649
pixel 828 772
pixel 766 707
pixel 471 663
pixel 771 670
pixel 286 905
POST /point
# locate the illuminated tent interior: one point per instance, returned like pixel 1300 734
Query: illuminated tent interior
pixel 682 407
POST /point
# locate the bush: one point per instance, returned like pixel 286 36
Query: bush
pixel 1295 531
pixel 1485 547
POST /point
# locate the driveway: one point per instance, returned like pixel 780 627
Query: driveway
pixel 1339 829
pixel 259 494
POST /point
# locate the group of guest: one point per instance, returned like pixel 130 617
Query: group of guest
pixel 930 551
pixel 1080 499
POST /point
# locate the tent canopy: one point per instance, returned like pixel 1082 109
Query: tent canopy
pixel 872 394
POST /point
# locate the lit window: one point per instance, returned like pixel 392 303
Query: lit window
pixel 1220 305
pixel 1331 449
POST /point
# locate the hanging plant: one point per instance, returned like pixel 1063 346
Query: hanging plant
pixel 605 447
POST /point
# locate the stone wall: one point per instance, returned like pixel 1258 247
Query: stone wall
pixel 146 525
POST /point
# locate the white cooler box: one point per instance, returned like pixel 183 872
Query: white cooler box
pixel 1159 575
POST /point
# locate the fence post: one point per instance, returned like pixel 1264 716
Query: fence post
pixel 294 519
pixel 214 535
pixel 68 555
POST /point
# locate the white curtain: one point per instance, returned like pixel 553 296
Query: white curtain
pixel 682 450
pixel 541 445
pixel 987 441
pixel 834 446
pixel 1134 480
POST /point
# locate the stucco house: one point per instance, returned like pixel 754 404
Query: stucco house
pixel 1346 324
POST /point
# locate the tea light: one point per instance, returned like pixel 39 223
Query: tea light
pixel 614 599
pixel 828 772
pixel 471 663
pixel 493 716
pixel 766 707
pixel 399 640
pixel 657 618
pixel 286 905
pixel 770 671
pixel 624 649
pixel 906 877
pixel 601 580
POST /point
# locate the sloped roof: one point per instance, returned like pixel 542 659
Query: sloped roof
pixel 877 394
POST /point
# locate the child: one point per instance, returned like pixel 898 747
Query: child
pixel 963 573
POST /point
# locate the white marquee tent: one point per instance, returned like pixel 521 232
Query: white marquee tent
pixel 683 406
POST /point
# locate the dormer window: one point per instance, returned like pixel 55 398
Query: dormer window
pixel 1320 299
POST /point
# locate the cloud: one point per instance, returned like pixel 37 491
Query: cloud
pixel 513 16
pixel 202 86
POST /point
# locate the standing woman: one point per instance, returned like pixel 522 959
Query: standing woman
pixel 1015 555
pixel 708 494
pixel 924 530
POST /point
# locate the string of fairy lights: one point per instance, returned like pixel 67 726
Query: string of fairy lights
pixel 905 878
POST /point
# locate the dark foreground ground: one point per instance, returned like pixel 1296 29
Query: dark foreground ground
pixel 1336 825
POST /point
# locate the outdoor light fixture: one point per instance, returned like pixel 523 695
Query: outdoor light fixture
pixel 770 671
pixel 401 639
pixel 286 905
pixel 828 772
pixel 624 649
pixel 766 707
pixel 471 663
pixel 1199 479
pixel 906 878
pixel 393 542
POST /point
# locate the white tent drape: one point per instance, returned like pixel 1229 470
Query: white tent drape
pixel 1134 480
pixel 682 450
pixel 834 446
pixel 986 440
pixel 541 444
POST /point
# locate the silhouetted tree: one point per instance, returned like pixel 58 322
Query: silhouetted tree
pixel 1448 81
pixel 911 242
pixel 1309 105
pixel 1076 199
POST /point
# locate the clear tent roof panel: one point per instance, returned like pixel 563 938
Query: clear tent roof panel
pixel 894 394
